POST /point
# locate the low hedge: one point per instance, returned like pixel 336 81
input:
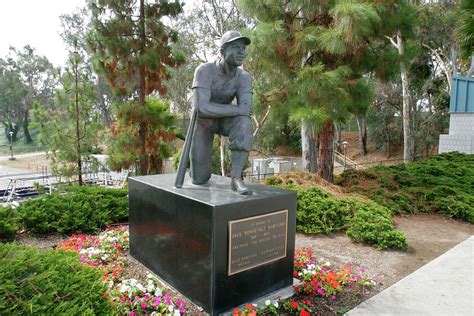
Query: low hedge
pixel 439 184
pixel 364 221
pixel 49 283
pixel 8 223
pixel 79 210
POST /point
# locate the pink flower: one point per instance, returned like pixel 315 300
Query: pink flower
pixel 358 278
pixel 362 270
pixel 351 282
pixel 131 314
pixel 147 296
pixel 123 299
pixel 332 297
pixel 143 305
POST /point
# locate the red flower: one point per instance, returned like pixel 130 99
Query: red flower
pixel 304 312
pixel 248 306
pixel 236 311
pixel 294 304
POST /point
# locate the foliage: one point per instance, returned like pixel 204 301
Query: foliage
pixel 81 209
pixel 12 94
pixel 38 77
pixel 107 252
pixel 464 31
pixel 49 282
pixel 321 284
pixel 132 49
pixel 439 184
pixel 8 223
pixel 70 130
pixel 364 221
pixel 126 135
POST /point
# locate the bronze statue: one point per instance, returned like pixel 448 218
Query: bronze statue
pixel 215 85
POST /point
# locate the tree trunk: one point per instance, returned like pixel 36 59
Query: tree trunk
pixel 326 151
pixel 78 129
pixel 26 131
pixel 222 155
pixel 338 140
pixel 143 161
pixel 308 149
pixel 407 137
pixel 362 126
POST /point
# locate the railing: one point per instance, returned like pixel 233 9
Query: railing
pixel 344 161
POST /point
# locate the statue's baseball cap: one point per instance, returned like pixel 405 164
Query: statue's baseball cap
pixel 231 36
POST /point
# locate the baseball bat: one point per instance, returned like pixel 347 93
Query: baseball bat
pixel 183 161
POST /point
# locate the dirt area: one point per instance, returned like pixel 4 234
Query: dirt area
pixel 31 162
pixel 428 237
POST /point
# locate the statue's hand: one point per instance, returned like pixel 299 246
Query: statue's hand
pixel 245 111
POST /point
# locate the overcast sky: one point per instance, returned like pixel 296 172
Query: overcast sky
pixel 36 23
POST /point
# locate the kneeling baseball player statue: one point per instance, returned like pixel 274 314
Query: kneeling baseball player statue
pixel 215 85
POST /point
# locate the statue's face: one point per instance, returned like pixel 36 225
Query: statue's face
pixel 234 52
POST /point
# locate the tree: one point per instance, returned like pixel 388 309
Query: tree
pixel 12 95
pixel 74 33
pixel 39 78
pixel 70 129
pixel 131 49
pixel 464 31
pixel 126 132
pixel 319 51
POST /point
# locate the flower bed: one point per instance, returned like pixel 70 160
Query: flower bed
pixel 107 252
pixel 320 283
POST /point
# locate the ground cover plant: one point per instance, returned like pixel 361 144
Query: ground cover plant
pixel 439 184
pixel 75 210
pixel 48 282
pixel 319 211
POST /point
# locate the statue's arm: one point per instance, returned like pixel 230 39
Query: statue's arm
pixel 244 94
pixel 206 108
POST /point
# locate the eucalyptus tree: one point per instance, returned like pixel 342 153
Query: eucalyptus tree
pixel 12 95
pixel 39 78
pixel 132 49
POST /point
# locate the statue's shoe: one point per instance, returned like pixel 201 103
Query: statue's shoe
pixel 239 186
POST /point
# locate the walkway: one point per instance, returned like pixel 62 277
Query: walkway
pixel 444 286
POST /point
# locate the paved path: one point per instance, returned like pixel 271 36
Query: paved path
pixel 444 286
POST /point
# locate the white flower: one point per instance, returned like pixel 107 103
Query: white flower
pixel 275 304
pixel 140 287
pixel 150 287
pixel 158 291
pixel 328 263
pixel 124 288
pixel 171 308
pixel 300 274
pixel 267 302
pixel 176 312
pixel 313 272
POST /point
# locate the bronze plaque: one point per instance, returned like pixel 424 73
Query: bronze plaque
pixel 257 240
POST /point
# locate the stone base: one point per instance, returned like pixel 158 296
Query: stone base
pixel 216 247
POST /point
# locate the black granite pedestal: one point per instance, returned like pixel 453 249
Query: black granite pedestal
pixel 216 247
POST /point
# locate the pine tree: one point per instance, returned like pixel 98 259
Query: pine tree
pixel 319 50
pixel 70 129
pixel 131 48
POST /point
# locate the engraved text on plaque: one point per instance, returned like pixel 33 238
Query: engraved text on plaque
pixel 254 241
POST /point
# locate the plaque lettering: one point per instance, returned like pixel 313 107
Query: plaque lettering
pixel 257 240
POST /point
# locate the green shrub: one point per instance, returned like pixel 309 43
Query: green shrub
pixel 372 224
pixel 48 283
pixel 365 221
pixel 8 223
pixel 80 210
pixel 440 184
